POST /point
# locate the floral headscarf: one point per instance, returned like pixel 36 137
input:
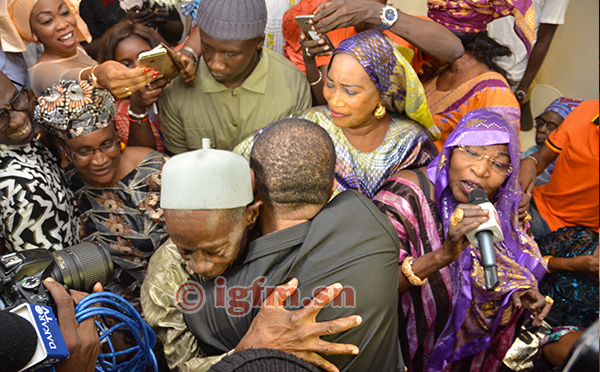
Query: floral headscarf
pixel 70 109
pixel 475 15
pixel 395 79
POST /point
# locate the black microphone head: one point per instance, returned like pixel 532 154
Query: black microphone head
pixel 478 196
pixel 19 341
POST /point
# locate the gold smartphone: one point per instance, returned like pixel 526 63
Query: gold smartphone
pixel 163 60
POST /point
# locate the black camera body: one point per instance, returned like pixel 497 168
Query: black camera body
pixel 78 267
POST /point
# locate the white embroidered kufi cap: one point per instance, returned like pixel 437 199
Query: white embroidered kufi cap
pixel 206 179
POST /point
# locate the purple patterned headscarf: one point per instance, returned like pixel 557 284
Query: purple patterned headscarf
pixel 399 86
pixel 481 128
pixel 475 15
pixel 562 106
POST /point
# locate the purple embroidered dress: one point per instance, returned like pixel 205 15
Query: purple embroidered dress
pixel 452 323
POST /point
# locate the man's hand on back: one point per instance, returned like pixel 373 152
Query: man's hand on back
pixel 297 332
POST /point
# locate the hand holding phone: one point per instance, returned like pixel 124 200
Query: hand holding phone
pixel 162 59
pixel 307 28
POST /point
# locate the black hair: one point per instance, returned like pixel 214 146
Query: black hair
pixel 121 31
pixel 484 49
pixel 294 163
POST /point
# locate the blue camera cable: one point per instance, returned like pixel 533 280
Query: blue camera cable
pixel 124 312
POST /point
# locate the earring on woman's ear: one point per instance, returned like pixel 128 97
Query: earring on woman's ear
pixel 123 146
pixel 379 111
pixel 35 38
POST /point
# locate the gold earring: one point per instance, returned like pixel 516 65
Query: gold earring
pixel 35 38
pixel 122 146
pixel 379 111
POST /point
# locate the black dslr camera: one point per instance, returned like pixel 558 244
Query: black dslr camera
pixel 78 267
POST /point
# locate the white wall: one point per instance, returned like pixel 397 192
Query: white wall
pixel 571 65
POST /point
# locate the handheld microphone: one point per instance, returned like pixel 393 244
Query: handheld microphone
pixel 485 236
pixel 18 344
pixel 50 347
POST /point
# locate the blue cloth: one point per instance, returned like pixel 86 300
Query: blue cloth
pixel 13 65
pixel 575 294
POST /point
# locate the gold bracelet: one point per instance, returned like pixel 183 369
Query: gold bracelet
pixel 81 72
pixel 318 80
pixel 546 260
pixel 409 273
pixel 94 78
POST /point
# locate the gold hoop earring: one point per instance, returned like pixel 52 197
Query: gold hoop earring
pixel 379 111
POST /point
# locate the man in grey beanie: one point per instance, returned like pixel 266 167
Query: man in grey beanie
pixel 240 86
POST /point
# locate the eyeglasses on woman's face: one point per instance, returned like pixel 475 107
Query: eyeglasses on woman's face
pixel 20 102
pixel 86 154
pixel 474 155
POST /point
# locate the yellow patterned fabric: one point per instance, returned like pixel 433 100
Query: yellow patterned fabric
pixel 166 271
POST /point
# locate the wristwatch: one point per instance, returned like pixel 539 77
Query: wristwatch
pixel 389 16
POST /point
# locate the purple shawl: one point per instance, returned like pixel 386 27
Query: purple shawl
pixel 481 128
pixel 475 15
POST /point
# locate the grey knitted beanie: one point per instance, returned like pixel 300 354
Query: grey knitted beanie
pixel 232 19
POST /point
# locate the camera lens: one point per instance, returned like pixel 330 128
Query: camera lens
pixel 79 267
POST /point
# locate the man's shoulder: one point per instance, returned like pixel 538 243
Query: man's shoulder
pixel 179 89
pixel 581 118
pixel 31 159
pixel 279 64
pixel 351 208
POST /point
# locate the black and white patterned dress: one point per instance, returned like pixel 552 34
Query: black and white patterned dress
pixel 37 209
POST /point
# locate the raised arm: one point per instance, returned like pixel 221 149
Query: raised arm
pixel 536 58
pixel 430 37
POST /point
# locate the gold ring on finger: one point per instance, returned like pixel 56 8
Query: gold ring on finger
pixel 549 300
pixel 527 217
pixel 457 216
pixel 127 91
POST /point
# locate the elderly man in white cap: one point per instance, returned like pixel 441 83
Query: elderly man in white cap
pixel 209 210
pixel 240 86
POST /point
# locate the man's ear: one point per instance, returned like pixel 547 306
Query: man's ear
pixel 333 188
pixel 260 42
pixel 253 182
pixel 252 211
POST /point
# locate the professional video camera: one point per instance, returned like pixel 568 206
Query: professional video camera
pixel 78 267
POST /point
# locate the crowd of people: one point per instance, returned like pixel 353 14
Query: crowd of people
pixel 305 206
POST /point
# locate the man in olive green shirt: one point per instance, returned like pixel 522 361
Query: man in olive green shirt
pixel 240 86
